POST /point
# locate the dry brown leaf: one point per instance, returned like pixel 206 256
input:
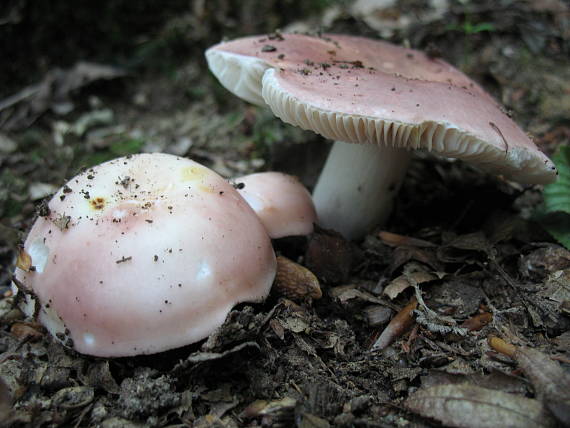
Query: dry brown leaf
pixel 56 88
pixel 295 281
pixel 478 321
pixel 395 240
pixel 474 407
pixel 413 272
pixel 377 315
pixel 549 379
pixel 398 326
pixel 27 330
pixel 551 382
pixel 501 346
pixel 463 246
pixel 345 293
pixel 270 412
pixel 403 255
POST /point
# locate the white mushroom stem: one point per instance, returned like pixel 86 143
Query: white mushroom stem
pixel 357 187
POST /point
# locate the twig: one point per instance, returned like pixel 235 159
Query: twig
pixel 20 96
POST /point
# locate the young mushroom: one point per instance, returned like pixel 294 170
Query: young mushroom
pixel 281 202
pixel 143 254
pixel 385 98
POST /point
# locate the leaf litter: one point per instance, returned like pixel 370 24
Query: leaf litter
pixel 462 262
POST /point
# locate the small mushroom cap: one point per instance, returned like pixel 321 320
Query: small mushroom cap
pixel 144 254
pixel 281 202
pixel 365 91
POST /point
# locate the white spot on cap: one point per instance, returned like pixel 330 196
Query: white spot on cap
pixel 39 253
pixel 204 271
pixel 89 339
pixel 254 201
pixel 119 214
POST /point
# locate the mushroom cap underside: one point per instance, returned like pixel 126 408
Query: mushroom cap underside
pixel 365 91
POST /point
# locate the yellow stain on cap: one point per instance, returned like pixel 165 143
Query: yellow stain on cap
pixel 197 173
pixel 194 173
pixel 97 203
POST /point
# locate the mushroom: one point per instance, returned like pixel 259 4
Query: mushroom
pixel 281 202
pixel 389 100
pixel 143 254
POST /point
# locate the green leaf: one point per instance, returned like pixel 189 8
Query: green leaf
pixel 557 194
pixel 479 28
pixel 554 214
pixel 126 147
pixel 558 225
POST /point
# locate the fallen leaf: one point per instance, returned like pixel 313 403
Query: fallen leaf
pixel 501 346
pixel 377 315
pixel 474 407
pixel 545 261
pixel 402 255
pixel 413 272
pixel 550 380
pixel 32 331
pixel 398 326
pixel 495 380
pixel 478 321
pixel 462 247
pixel 395 240
pixel 294 281
pixel 53 92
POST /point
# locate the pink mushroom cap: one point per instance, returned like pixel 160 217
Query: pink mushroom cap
pixel 281 202
pixel 143 254
pixel 360 90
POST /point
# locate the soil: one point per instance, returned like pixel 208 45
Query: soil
pixel 464 259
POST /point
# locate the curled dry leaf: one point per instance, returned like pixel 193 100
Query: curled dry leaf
pixel 73 397
pixel 295 281
pixel 398 326
pixel 402 255
pixel 377 315
pixel 27 330
pixel 478 321
pixel 272 411
pixel 395 240
pixel 501 346
pixel 413 273
pixel 471 406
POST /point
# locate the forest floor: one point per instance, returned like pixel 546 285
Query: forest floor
pixel 464 242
